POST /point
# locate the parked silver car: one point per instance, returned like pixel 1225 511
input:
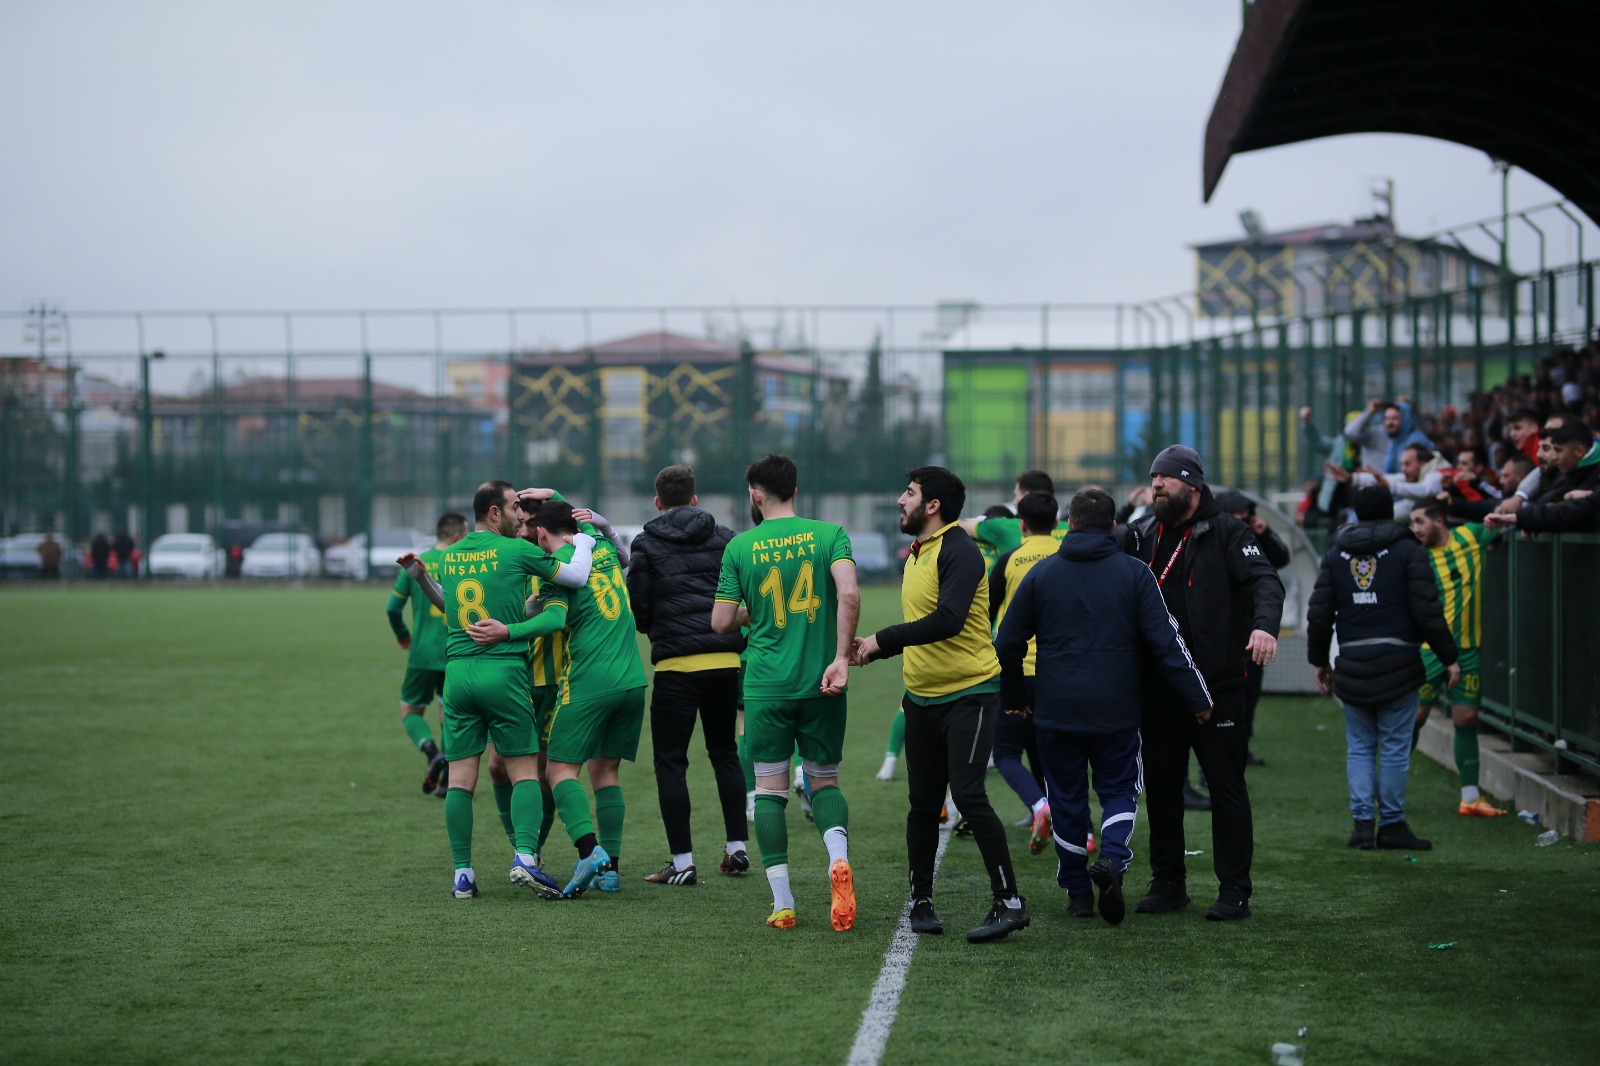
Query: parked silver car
pixel 282 555
pixel 189 555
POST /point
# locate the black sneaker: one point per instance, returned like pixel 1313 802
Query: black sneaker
pixel 671 875
pixel 735 864
pixel 437 774
pixel 1001 922
pixel 1163 897
pixel 1252 759
pixel 1194 799
pixel 444 785
pixel 1397 836
pixel 1361 837
pixel 923 920
pixel 1107 878
pixel 1229 907
pixel 1081 906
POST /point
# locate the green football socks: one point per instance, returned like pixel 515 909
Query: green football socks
pixel 417 729
pixel 609 809
pixel 1466 752
pixel 458 825
pixel 829 810
pixel 772 829
pixel 549 818
pixel 573 804
pixel 897 734
pixel 527 810
pixel 502 803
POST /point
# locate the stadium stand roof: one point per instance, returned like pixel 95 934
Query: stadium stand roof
pixel 1514 80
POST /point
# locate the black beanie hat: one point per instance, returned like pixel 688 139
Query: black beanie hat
pixel 1182 462
pixel 1374 503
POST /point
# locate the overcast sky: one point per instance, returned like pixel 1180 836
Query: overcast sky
pixel 339 154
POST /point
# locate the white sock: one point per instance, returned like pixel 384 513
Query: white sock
pixel 778 881
pixel 683 861
pixel 1014 903
pixel 735 846
pixel 1041 805
pixel 1469 793
pixel 837 842
pixel 468 871
pixel 890 759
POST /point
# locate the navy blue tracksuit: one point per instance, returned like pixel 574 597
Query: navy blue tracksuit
pixel 1099 619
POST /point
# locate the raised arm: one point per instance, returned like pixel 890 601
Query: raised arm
pixel 419 573
pixel 574 574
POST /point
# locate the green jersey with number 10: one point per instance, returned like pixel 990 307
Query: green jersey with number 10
pixel 782 572
pixel 485 575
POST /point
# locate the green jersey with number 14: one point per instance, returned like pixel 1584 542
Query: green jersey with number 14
pixel 782 572
pixel 485 575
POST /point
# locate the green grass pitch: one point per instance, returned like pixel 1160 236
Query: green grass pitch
pixel 216 848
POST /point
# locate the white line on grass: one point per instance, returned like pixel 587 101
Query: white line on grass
pixel 878 1019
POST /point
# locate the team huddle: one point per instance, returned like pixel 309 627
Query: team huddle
pixel 528 637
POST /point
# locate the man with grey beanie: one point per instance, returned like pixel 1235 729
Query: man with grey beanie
pixel 1227 601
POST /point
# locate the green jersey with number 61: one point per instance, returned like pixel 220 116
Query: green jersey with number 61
pixel 602 649
pixel 485 575
pixel 782 572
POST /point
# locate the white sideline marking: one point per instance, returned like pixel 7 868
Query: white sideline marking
pixel 884 1003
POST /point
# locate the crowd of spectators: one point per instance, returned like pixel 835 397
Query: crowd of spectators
pixel 1520 455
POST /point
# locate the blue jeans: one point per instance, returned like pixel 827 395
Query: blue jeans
pixel 1379 736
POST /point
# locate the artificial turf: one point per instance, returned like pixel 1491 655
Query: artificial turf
pixel 216 848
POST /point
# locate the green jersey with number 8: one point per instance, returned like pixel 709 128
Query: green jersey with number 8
pixel 782 572
pixel 485 575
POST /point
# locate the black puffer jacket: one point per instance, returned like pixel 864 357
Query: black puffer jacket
pixel 672 580
pixel 1229 589
pixel 1377 586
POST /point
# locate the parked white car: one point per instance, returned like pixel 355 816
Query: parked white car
pixel 281 555
pixel 20 554
pixel 190 555
pixel 364 556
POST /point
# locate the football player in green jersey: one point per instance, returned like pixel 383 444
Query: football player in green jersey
pixel 482 587
pixel 1456 556
pixel 425 643
pixel 792 580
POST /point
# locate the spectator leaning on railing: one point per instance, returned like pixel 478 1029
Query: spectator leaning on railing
pixel 1570 502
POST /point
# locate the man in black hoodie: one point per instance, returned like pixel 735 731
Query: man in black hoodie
pixel 672 580
pixel 1227 601
pixel 1377 588
pixel 1098 620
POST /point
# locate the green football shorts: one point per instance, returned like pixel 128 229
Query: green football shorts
pixel 488 698
pixel 774 728
pixel 1468 690
pixel 421 686
pixel 601 727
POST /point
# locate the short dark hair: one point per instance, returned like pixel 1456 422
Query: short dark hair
pixel 1038 512
pixel 555 516
pixel 675 485
pixel 997 510
pixel 1424 453
pixel 489 494
pixel 1036 481
pixel 1092 509
pixel 774 475
pixel 940 484
pixel 451 524
pixel 1522 463
pixel 1571 431
pixel 1479 455
pixel 1437 510
pixel 1524 414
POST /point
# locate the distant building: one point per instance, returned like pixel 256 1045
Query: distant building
pixel 1332 268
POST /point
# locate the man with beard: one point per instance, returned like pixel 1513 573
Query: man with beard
pixel 1227 601
pixel 952 697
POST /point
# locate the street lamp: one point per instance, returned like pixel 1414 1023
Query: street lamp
pixel 146 467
